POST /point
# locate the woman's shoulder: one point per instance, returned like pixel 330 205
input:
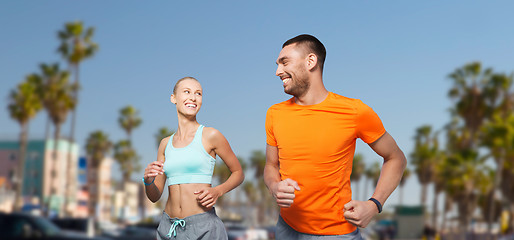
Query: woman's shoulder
pixel 212 137
pixel 211 133
pixel 164 142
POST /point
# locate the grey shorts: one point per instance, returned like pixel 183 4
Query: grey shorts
pixel 286 232
pixel 205 225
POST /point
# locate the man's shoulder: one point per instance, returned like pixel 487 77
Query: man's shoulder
pixel 284 104
pixel 345 100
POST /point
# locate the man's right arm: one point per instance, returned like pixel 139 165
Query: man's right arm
pixel 271 173
pixel 283 191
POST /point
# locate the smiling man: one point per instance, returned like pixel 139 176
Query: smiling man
pixel 310 146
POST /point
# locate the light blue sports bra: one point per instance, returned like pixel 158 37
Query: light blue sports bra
pixel 190 164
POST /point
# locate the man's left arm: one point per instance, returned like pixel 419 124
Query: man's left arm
pixel 360 213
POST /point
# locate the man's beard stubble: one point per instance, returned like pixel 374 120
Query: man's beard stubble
pixel 298 87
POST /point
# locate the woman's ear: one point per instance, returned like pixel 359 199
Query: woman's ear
pixel 172 99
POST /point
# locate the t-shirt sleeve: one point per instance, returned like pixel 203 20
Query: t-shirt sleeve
pixel 270 137
pixel 369 125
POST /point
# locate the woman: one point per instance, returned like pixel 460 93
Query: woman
pixel 186 159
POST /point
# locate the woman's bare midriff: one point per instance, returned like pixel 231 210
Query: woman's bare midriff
pixel 182 200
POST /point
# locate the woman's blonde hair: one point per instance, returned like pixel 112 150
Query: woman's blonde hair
pixel 180 80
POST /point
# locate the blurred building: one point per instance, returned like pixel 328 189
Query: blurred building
pixel 126 201
pixel 6 196
pixel 410 221
pixel 42 172
pixel 82 209
pixel 82 172
pixel 100 189
pixel 147 208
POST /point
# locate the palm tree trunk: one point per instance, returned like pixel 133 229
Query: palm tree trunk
pixel 44 180
pixel 72 140
pixel 97 192
pixel 92 189
pixel 445 212
pixel 497 180
pixel 511 225
pixel 47 128
pixel 467 205
pixel 423 195
pixel 434 211
pixel 21 167
pixel 125 209
pixel 53 170
pixel 424 199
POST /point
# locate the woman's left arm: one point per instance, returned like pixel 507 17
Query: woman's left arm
pixel 219 144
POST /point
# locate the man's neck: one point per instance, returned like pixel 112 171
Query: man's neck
pixel 315 95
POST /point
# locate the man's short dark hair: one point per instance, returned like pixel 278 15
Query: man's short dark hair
pixel 312 44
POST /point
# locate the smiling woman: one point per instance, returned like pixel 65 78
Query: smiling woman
pixel 186 160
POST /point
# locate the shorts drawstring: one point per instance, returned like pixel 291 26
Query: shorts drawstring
pixel 180 222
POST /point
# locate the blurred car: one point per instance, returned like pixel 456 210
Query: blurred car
pixel 15 226
pixel 133 233
pixel 244 233
pixel 79 225
pixel 385 229
pixel 271 231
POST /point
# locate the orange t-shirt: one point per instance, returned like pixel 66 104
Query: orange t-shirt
pixel 316 144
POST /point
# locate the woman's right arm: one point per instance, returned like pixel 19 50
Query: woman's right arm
pixel 154 172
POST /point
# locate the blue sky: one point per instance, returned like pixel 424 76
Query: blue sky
pixel 394 56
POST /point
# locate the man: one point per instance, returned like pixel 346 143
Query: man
pixel 310 146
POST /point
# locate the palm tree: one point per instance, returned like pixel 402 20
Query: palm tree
pixel 127 159
pixel 405 176
pixel 57 96
pixel 467 180
pixel 372 173
pixel 475 93
pixel 266 209
pixel 498 136
pixel 471 93
pixel 221 173
pixel 162 133
pixel 439 181
pixel 258 161
pixel 98 146
pixel 24 103
pixel 76 46
pixel 252 196
pixel 358 168
pixel 375 173
pixel 449 195
pixel 423 158
pixel 507 190
pixel 128 120
pixel 251 193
